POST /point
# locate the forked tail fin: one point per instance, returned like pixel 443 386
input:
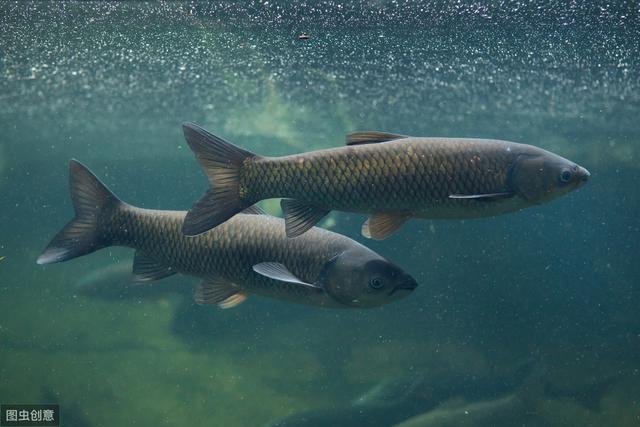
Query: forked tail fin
pixel 84 233
pixel 222 162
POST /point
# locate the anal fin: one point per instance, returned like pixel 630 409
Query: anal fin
pixel 233 301
pixel 381 225
pixel 220 292
pixel 147 269
pixel 300 217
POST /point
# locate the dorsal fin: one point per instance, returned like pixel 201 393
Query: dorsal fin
pixel 371 137
pixel 300 217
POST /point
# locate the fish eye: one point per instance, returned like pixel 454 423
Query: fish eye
pixel 565 176
pixel 375 283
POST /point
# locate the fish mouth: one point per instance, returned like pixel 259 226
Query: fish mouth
pixel 408 285
pixel 583 174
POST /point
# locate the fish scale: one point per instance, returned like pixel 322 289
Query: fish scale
pixel 229 251
pixel 411 174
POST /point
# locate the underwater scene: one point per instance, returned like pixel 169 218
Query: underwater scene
pixel 457 242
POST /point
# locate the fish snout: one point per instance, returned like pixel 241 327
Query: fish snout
pixel 583 175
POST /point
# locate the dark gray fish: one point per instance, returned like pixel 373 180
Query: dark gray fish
pixel 343 416
pixel 249 255
pixel 391 177
pixel 505 411
pixel 115 282
pixel 521 407
pixel 387 403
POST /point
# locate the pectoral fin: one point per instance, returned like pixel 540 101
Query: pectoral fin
pixel 300 217
pixel 490 196
pixel 371 137
pixel 277 271
pixel 219 292
pixel 147 269
pixel 381 225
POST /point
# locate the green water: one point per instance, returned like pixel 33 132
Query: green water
pixel 110 85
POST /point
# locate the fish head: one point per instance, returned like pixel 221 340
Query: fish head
pixel 539 176
pixel 361 278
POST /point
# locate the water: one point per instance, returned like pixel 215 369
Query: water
pixel 109 84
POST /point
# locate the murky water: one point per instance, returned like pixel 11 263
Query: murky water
pixel 552 290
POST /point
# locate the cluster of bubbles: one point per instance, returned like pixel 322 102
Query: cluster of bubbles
pixel 425 67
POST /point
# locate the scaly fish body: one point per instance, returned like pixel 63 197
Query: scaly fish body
pixel 250 254
pixel 412 174
pixel 229 252
pixel 391 177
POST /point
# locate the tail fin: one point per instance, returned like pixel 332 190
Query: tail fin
pixel 222 162
pixel 83 234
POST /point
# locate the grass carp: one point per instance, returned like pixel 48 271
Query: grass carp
pixel 391 177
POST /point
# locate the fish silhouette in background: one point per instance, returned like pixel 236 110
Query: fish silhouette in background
pixel 116 282
pixel 453 399
pixel 397 398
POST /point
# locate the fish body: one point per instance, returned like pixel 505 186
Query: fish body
pixel 112 274
pixel 391 177
pixel 387 403
pixel 504 411
pixel 109 280
pixel 116 282
pixel 344 416
pixel 250 254
pixel 411 174
pixel 230 252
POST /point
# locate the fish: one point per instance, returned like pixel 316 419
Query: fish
pixel 110 276
pixel 494 393
pixel 392 178
pixel 504 411
pixel 398 398
pixel 115 282
pixel 388 402
pixel 249 254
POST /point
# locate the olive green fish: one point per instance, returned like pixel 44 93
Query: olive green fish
pixel 391 177
pixel 250 254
